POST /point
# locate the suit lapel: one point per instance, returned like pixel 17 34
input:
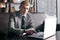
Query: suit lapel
pixel 18 21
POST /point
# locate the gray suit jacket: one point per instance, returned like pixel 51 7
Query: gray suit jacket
pixel 15 23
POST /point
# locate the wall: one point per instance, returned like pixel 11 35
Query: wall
pixel 58 11
pixel 47 6
pixel 38 18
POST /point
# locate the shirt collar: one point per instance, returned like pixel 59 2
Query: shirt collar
pixel 24 15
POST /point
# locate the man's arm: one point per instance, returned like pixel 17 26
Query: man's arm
pixel 30 26
pixel 11 29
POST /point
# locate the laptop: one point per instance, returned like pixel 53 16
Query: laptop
pixel 49 29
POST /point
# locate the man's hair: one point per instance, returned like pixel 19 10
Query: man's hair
pixel 25 3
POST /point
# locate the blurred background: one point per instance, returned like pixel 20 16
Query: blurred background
pixel 40 10
pixel 37 7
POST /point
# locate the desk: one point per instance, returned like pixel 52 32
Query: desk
pixel 38 36
pixel 51 38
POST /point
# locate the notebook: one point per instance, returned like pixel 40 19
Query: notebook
pixel 50 27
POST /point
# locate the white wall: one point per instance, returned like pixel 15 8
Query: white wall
pixel 58 11
pixel 47 6
pixel 38 18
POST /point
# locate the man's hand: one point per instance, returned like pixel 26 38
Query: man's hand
pixel 30 32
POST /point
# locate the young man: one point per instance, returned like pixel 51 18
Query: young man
pixel 20 23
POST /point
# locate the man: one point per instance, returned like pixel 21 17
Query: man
pixel 20 23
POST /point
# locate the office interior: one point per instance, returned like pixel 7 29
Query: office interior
pixel 40 9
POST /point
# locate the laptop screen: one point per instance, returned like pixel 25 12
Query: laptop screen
pixel 50 27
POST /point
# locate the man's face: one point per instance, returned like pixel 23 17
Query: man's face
pixel 24 9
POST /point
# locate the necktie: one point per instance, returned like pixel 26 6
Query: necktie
pixel 23 22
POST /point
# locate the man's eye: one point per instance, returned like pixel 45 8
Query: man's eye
pixel 23 7
pixel 27 8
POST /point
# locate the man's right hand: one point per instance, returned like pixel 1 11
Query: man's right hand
pixel 30 32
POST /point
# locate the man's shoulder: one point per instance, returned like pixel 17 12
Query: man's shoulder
pixel 16 13
pixel 30 14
